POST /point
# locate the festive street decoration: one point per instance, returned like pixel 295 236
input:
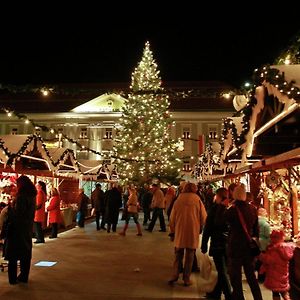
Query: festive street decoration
pixel 59 161
pixel 268 80
pixel 15 147
pixel 290 55
pixel 208 164
pixel 143 143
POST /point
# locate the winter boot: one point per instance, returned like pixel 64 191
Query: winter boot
pixel 123 232
pixel 139 229
pixel 108 228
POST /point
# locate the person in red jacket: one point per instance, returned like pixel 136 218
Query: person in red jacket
pixel 54 212
pixel 275 262
pixel 39 216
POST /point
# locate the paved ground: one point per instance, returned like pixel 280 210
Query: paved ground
pixel 96 265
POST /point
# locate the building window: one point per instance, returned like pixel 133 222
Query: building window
pixel 59 133
pixel 186 166
pixel 108 133
pixel 14 131
pixel 186 133
pixel 37 131
pixel 212 133
pixel 83 133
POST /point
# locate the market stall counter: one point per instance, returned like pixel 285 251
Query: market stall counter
pixel 68 216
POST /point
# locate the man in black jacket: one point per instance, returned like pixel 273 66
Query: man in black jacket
pixel 98 205
pixel 216 230
pixel 239 253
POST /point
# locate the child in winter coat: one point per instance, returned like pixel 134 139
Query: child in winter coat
pixel 276 265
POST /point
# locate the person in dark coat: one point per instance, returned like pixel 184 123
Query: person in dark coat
pixel 146 200
pixel 216 229
pixel 83 201
pixel 20 216
pixel 239 254
pixel 113 201
pixel 98 205
pixel 208 197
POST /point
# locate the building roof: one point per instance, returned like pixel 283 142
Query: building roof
pixel 184 96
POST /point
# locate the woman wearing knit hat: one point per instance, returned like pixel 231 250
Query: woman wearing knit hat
pixel 239 254
pixel 276 265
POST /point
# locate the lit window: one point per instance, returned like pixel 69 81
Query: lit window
pixel 37 131
pixel 83 133
pixel 59 133
pixel 213 133
pixel 108 133
pixel 14 131
pixel 186 166
pixel 186 134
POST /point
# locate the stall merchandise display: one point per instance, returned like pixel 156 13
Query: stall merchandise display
pixel 277 192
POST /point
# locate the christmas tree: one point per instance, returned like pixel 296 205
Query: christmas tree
pixel 143 145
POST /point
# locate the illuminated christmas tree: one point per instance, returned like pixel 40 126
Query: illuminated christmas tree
pixel 144 147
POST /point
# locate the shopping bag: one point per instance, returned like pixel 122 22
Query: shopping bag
pixel 208 275
pixel 206 266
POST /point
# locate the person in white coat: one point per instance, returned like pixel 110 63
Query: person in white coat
pixel 186 221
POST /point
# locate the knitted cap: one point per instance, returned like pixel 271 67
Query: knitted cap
pixel 239 193
pixel 277 235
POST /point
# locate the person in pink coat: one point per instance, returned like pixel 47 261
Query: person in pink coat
pixel 54 212
pixel 39 216
pixel 275 263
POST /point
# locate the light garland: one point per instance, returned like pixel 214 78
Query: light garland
pixel 260 77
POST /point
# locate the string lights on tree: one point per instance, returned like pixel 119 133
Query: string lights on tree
pixel 143 141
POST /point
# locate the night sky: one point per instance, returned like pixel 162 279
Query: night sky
pixel 104 45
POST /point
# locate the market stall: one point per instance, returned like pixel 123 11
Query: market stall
pixel 270 134
pixel 27 154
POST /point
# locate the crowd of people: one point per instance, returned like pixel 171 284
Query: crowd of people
pixel 193 213
pixel 234 218
pixel 221 222
pixel 22 219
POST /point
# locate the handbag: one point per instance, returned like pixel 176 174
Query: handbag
pixel 253 241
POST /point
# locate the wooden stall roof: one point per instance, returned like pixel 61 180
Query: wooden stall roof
pixel 270 123
pixel 283 160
